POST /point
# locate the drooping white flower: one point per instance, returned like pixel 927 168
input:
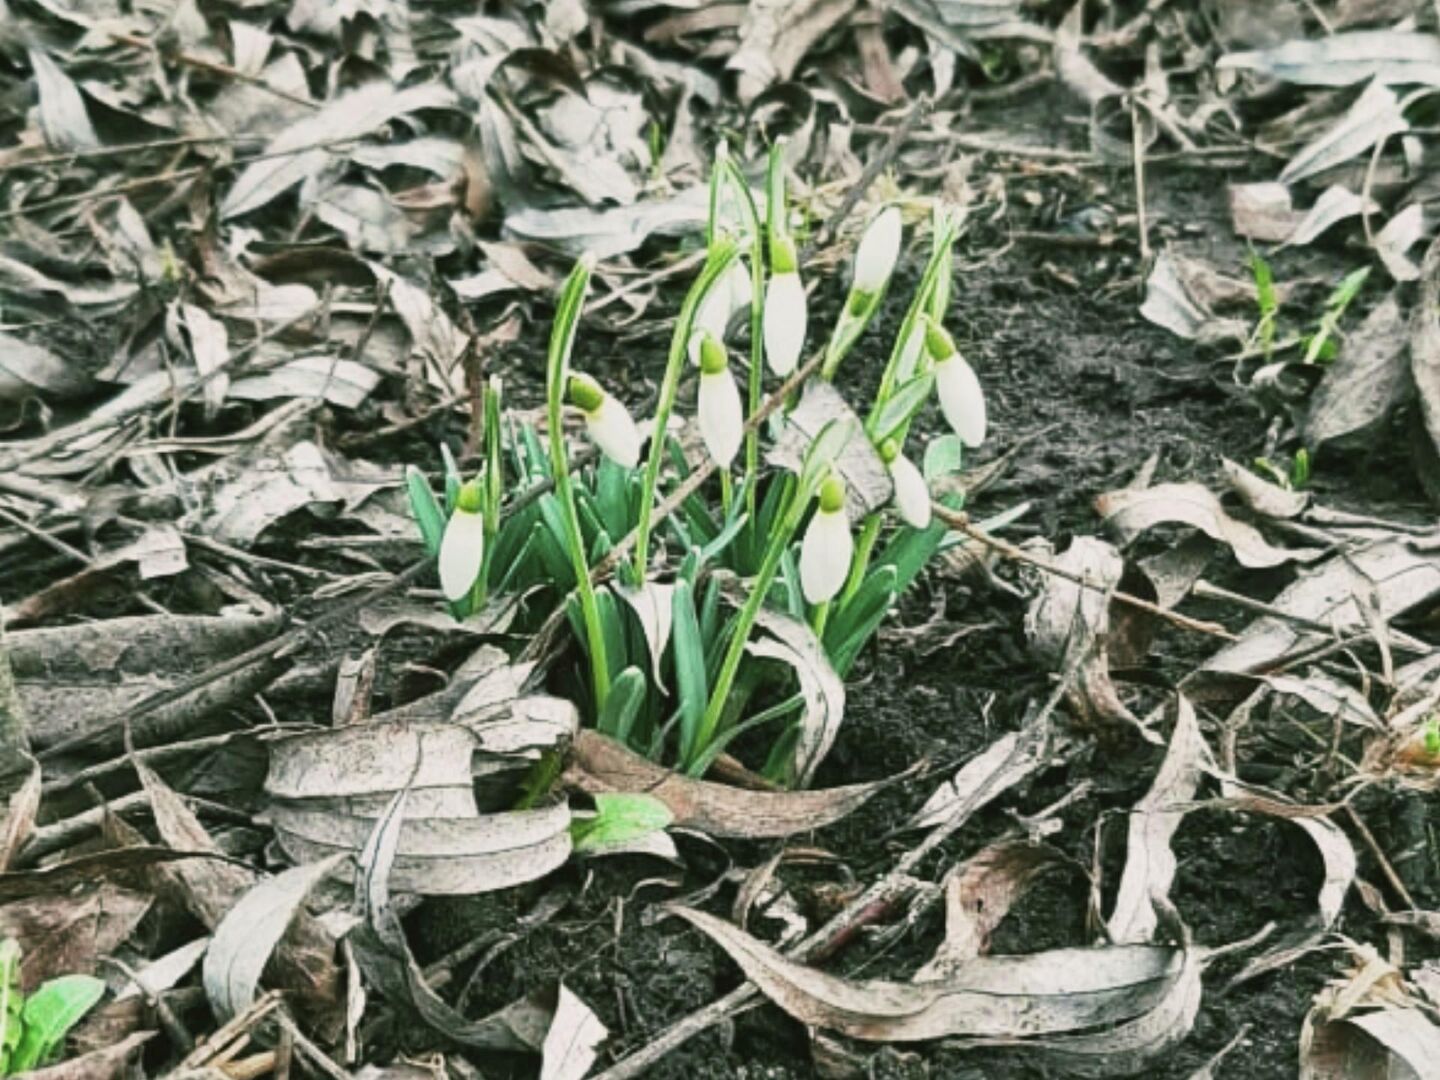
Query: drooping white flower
pixel 462 547
pixel 785 322
pixel 962 399
pixel 828 547
pixel 607 422
pixel 718 410
pixel 879 249
pixel 912 496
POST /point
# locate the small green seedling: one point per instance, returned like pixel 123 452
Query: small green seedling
pixel 33 1028
pixel 1294 478
pixel 1320 347
pixel 1431 735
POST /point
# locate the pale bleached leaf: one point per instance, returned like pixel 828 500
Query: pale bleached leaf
pixel 794 643
pixel 1397 57
pixel 1129 513
pixel 63 117
pixel 573 1041
pixel 250 932
pixel 1374 116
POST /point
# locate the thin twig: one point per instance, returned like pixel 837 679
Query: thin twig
pixel 201 64
pixel 960 522
pixel 123 149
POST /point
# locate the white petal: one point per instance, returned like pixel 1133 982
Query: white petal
pixel 825 555
pixel 712 318
pixel 720 416
pixel 785 321
pixel 912 497
pixel 461 550
pixel 878 250
pixel 738 290
pixel 612 430
pixel 961 399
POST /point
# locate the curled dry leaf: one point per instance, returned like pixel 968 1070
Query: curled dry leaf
pixel 1263 211
pixel 1367 382
pixel 1130 513
pixel 63 117
pixel 1149 863
pixel 794 643
pixel 1397 1041
pixel 599 765
pixel 1336 853
pixel 1404 576
pixel 304 962
pixel 1335 204
pixel 775 36
pixel 1375 116
pixel 1173 301
pixel 979 894
pixel 385 957
pixel 250 932
pixel 329 787
pixel 1070 624
pixel 27 369
pixel 994 771
pixel 1260 495
pixel 573 1041
pixel 65 933
pixel 1002 997
pixel 296 154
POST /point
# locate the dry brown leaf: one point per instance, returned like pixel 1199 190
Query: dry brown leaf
pixel 1070 624
pixel 599 765
pixel 1002 997
pixel 63 933
pixel 775 36
pixel 1260 495
pixel 1149 863
pixel 979 894
pixel 1425 353
pixel 988 775
pixel 110 1063
pixel 1128 514
pixel 1367 382
pixel 20 817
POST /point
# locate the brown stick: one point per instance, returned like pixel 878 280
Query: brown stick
pixel 960 522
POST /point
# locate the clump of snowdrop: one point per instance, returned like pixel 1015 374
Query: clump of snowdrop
pixel 811 541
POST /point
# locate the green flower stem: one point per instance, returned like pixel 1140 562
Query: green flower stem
pixel 819 617
pixel 719 261
pixel 860 564
pixel 757 365
pixel 929 282
pixel 562 339
pixel 745 622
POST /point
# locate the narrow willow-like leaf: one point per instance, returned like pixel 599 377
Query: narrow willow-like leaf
pixel 690 677
pixel 627 692
pixel 909 399
pixel 429 518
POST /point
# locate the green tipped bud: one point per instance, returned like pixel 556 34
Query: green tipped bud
pixel 859 302
pixel 888 450
pixel 783 257
pixel 584 393
pixel 712 356
pixel 938 342
pixel 832 494
pixel 469 497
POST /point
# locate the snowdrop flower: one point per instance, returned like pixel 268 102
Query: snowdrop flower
pixel 961 398
pixel 718 410
pixel 785 309
pixel 912 496
pixel 828 548
pixel 462 548
pixel 879 249
pixel 608 424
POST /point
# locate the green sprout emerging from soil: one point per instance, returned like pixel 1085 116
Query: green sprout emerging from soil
pixel 33 1027
pixel 1320 344
pixel 796 523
